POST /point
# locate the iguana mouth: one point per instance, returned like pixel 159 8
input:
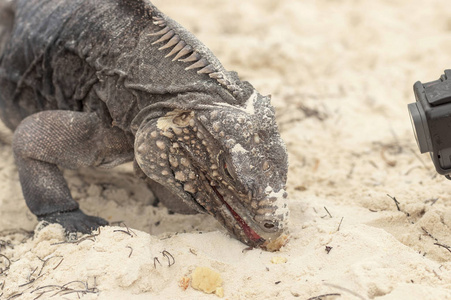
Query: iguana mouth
pixel 250 233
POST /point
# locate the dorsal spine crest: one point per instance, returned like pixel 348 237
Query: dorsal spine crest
pixel 186 53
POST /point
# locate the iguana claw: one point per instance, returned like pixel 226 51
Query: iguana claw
pixel 75 221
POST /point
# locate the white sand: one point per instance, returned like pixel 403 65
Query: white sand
pixel 341 75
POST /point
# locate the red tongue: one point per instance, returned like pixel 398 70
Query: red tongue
pixel 247 230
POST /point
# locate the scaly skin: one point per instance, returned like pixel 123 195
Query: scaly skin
pixel 100 83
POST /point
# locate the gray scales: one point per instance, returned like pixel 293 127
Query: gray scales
pixel 100 83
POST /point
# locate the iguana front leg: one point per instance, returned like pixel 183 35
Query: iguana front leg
pixel 48 139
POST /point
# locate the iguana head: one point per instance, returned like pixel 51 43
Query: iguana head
pixel 229 161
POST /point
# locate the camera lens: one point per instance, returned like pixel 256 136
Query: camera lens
pixel 420 127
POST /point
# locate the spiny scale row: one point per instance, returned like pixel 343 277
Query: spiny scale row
pixel 182 49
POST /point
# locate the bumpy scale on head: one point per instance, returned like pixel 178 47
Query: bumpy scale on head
pixel 165 150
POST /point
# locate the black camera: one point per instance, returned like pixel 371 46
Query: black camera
pixel 431 120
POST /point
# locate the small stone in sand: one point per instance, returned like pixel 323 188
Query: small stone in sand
pixel 184 282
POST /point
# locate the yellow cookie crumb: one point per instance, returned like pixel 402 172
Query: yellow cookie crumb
pixel 279 260
pixel 276 244
pixel 206 280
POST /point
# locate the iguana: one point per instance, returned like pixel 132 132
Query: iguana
pixel 100 83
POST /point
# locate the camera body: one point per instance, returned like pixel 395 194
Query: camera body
pixel 431 120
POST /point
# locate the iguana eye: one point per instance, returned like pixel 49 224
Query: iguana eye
pixel 226 171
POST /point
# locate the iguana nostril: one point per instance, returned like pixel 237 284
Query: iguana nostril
pixel 269 225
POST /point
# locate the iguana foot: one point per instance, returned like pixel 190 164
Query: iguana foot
pixel 75 221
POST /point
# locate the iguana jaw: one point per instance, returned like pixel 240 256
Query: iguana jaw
pixel 228 207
